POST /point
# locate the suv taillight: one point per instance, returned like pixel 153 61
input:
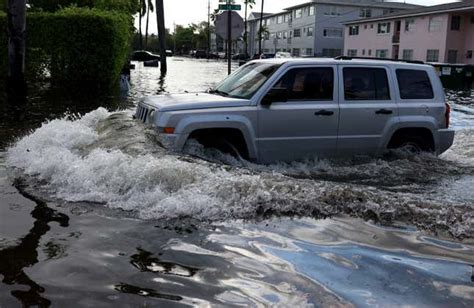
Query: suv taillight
pixel 447 113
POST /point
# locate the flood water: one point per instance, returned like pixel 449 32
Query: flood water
pixel 94 213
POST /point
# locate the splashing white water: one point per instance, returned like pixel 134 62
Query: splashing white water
pixel 78 163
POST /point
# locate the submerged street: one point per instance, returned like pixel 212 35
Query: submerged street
pixel 91 204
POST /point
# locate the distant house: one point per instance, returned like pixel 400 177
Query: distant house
pixel 441 33
pixel 315 28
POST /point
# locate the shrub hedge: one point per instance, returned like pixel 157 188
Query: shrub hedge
pixel 76 47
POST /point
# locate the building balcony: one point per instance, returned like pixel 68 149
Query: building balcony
pixel 396 39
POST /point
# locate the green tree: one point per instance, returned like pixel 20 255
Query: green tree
pixel 248 3
pixel 151 8
pixel 141 13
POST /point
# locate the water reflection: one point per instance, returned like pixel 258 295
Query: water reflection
pixel 14 259
pixel 145 262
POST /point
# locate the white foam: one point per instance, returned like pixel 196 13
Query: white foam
pixel 78 164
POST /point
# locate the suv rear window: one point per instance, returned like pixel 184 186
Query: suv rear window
pixel 414 84
pixel 365 84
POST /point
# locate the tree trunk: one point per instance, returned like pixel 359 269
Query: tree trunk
pixel 260 32
pixel 146 28
pixel 245 31
pixel 16 47
pixel 140 29
pixel 160 18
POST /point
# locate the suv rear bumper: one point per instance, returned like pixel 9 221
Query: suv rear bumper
pixel 446 138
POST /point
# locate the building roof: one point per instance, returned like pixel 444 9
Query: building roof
pixel 362 3
pixel 359 3
pixel 435 9
pixel 255 15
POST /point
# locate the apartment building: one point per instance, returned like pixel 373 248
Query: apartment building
pixel 441 33
pixel 314 28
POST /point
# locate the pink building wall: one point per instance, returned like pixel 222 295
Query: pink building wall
pixel 368 39
pixel 420 39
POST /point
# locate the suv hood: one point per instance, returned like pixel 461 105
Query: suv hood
pixel 173 102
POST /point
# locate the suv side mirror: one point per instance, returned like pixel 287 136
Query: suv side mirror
pixel 275 95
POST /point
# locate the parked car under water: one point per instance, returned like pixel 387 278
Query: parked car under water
pixel 143 55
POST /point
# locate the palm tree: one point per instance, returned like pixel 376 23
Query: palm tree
pixel 151 8
pixel 248 3
pixel 141 13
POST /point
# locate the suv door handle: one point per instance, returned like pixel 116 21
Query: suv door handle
pixel 324 113
pixel 384 111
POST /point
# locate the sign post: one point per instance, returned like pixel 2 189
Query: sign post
pixel 229 6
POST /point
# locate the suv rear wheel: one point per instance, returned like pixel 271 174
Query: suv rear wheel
pixel 411 143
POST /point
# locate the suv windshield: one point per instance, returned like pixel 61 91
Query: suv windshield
pixel 245 81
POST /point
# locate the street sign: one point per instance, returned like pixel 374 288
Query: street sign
pixel 230 7
pixel 237 26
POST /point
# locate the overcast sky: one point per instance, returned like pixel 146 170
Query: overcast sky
pixel 184 12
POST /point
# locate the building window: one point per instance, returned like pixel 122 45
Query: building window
pixel 365 84
pixel 435 24
pixel 278 35
pixel 298 13
pixel 365 13
pixel 333 32
pixel 309 51
pixel 469 54
pixel 296 52
pixel 407 54
pixel 365 26
pixel 388 11
pixel 432 55
pixel 311 10
pixel 383 28
pixel 414 84
pixel 297 33
pixel 452 56
pixel 352 52
pixel 354 30
pixel 309 31
pixel 371 26
pixel 285 34
pixel 333 11
pixel 363 52
pixel 455 23
pixel 409 25
pixel 280 19
pixel 331 52
pixel 381 53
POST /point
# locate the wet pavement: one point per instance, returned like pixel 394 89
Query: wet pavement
pixel 94 213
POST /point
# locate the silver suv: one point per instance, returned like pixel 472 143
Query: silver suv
pixel 292 109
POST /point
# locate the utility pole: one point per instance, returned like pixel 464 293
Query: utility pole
pixel 16 47
pixel 208 28
pixel 160 17
pixel 229 39
pixel 260 31
pixel 245 31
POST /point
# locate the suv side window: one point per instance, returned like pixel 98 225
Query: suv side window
pixel 313 84
pixel 365 84
pixel 414 84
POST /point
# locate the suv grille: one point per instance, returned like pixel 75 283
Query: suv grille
pixel 142 113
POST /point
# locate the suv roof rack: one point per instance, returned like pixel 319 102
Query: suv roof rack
pixel 380 59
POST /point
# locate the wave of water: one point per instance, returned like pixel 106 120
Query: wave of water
pixel 108 158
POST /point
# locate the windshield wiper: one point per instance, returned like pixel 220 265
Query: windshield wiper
pixel 219 92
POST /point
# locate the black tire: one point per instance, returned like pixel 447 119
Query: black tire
pixel 412 144
pixel 226 147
